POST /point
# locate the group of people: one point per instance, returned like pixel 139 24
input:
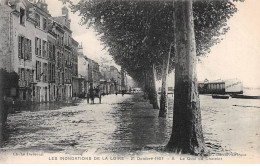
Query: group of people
pixel 94 92
pixel 123 92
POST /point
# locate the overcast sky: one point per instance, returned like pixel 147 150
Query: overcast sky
pixel 237 56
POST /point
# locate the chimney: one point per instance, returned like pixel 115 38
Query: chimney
pixel 80 49
pixel 65 12
pixel 45 6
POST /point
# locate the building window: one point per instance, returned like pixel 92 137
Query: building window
pixel 58 55
pixel 53 52
pixel 21 77
pixel 45 72
pixel 62 78
pixel 27 77
pixel 21 47
pixel 22 16
pixel 50 51
pixel 38 47
pixel 38 19
pixel 28 49
pixel 24 48
pixel 29 42
pixel 58 77
pixel 62 40
pixel 44 24
pixel 44 49
pixel 66 75
pixel 38 70
pixel 49 71
pixel 69 40
pixel 53 72
pixel 65 39
pixel 62 60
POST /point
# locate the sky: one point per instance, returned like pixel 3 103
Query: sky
pixel 237 56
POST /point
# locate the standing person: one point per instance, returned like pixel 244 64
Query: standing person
pixel 98 93
pixel 91 94
pixel 88 96
pixel 123 92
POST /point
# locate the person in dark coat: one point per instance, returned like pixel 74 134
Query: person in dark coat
pixel 91 94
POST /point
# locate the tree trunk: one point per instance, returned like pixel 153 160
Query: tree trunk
pixel 150 92
pixel 153 89
pixel 164 92
pixel 1 108
pixel 145 86
pixel 187 136
pixel 123 79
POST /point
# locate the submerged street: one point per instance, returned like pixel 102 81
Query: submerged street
pixel 129 125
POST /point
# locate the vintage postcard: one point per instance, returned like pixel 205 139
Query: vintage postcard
pixel 129 82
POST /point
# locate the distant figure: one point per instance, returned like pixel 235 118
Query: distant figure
pixel 88 95
pixel 97 91
pixel 91 94
pixel 123 92
pixel 116 92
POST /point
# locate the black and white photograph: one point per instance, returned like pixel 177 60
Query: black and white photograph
pixel 129 82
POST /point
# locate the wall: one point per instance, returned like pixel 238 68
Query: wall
pixel 5 52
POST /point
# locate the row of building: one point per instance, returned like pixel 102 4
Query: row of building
pixel 51 65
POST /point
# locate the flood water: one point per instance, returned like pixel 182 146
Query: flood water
pixel 129 124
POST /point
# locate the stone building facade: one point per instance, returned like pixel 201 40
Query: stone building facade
pixel 64 21
pixel 38 47
pixel 74 60
pixel 51 65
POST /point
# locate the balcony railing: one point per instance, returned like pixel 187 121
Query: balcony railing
pixel 24 83
pixel 67 81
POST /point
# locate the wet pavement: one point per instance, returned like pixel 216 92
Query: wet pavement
pixel 128 125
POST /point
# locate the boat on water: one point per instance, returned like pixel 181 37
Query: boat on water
pixel 220 96
pixel 231 86
pixel 240 96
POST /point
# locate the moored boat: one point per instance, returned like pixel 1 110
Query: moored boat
pixel 245 97
pixel 220 96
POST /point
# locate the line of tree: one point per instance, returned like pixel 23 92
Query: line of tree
pixel 150 39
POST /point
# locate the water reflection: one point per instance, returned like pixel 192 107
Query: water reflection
pixel 138 126
pixel 124 124
pixel 4 135
pixel 47 106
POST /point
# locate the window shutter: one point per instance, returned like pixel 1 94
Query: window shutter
pixel 30 50
pixel 48 50
pixel 25 48
pixel 19 46
pixel 40 70
pixel 40 47
pixel 36 70
pixel 25 75
pixel 36 46
pixel 53 52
